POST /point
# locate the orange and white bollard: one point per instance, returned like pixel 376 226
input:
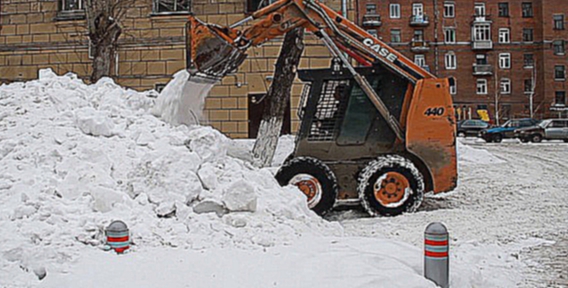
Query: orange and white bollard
pixel 436 252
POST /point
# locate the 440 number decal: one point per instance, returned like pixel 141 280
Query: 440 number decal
pixel 434 111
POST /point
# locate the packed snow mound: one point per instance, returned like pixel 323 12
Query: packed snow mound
pixel 471 155
pixel 75 157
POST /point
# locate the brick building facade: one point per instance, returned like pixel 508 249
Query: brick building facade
pixel 502 53
pixel 51 33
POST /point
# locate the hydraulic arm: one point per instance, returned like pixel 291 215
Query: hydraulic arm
pixel 214 51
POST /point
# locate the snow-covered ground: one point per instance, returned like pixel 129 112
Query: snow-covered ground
pixel 74 157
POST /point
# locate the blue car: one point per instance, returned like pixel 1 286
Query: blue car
pixel 506 130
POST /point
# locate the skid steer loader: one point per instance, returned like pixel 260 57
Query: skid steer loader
pixel 381 134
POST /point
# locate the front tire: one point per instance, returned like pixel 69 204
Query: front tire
pixel 524 140
pixel 314 179
pixel 497 138
pixel 390 185
pixel 536 138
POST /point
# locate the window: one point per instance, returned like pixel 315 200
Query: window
pixel 481 59
pixel 417 9
pixel 558 46
pixel 395 36
pixel 481 86
pixel 373 32
pixel 559 72
pixel 395 11
pixel 504 35
pixel 505 60
pixel 450 35
pixel 418 35
pixel 420 60
pixel 504 9
pixel 527 9
pixel 252 5
pixel 70 10
pixel 559 22
pixel 527 34
pixel 449 10
pixel 481 33
pixel 560 98
pixel 479 9
pixel 71 5
pixel 454 87
pixel 371 8
pixel 505 86
pixel 184 6
pixel 451 61
pixel 528 86
pixel 528 60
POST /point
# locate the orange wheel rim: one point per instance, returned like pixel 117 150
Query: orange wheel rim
pixel 391 189
pixel 310 186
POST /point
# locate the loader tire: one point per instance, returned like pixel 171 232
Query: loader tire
pixel 390 185
pixel 314 179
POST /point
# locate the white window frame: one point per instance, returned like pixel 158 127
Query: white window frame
pixel 505 86
pixel 454 88
pixel 451 61
pixel 156 4
pixel 481 32
pixel 394 11
pixel 504 35
pixel 505 60
pixel 420 60
pixel 417 9
pixel 450 35
pixel 79 4
pixel 481 87
pixel 479 9
pixel 449 9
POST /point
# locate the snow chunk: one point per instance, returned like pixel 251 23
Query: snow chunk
pixel 240 196
pixel 93 122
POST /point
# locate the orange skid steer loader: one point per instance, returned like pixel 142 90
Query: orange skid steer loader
pixel 381 134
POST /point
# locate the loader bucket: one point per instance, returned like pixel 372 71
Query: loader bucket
pixel 209 49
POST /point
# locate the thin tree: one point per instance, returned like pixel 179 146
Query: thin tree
pixel 278 96
pixel 104 29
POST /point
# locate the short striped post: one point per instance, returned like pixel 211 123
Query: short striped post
pixel 118 236
pixel 436 252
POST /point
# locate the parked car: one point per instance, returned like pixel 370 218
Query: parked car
pixel 550 129
pixel 507 130
pixel 470 127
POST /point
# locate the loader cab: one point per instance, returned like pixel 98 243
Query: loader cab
pixel 336 115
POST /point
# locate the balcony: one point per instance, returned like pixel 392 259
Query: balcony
pixel 482 69
pixel 419 46
pixel 372 20
pixel 419 20
pixel 482 44
pixel 480 19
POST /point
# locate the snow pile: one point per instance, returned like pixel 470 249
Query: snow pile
pixel 74 157
pixel 469 155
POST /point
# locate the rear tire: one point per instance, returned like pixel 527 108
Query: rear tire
pixel 390 185
pixel 565 140
pixel 314 179
pixel 497 138
pixel 536 138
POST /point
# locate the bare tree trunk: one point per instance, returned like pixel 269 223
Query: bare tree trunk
pixel 103 18
pixel 278 96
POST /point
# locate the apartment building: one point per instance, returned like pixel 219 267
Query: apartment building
pixel 508 56
pixel 52 34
